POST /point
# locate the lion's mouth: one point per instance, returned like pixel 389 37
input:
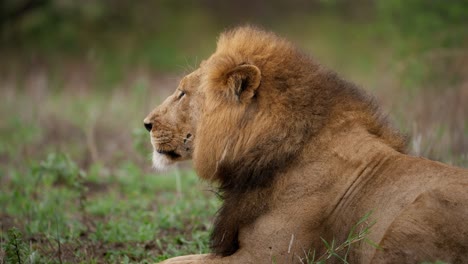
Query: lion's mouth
pixel 172 154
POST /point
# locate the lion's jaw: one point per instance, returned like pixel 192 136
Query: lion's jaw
pixel 161 162
pixel 169 148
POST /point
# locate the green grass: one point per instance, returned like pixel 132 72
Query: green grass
pixel 68 215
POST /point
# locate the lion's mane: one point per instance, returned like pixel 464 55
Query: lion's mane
pixel 246 146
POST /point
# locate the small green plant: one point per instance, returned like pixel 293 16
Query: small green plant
pixel 357 233
pixel 141 142
pixel 59 169
pixel 16 250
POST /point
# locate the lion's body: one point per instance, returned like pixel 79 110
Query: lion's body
pixel 419 207
pixel 300 155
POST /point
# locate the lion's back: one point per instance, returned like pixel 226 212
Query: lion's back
pixel 434 226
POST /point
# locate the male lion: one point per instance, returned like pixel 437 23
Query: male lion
pixel 300 155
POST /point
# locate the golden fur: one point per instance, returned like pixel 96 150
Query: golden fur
pixel 299 155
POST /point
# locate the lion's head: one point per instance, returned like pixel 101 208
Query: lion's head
pixel 229 114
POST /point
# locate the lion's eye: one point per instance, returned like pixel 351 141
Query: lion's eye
pixel 182 93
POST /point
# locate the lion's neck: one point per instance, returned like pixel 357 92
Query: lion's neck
pixel 347 158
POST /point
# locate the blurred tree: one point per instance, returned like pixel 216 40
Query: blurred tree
pixel 11 10
pixel 444 23
pixel 430 38
pixel 155 31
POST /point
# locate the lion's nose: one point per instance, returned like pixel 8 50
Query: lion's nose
pixel 148 126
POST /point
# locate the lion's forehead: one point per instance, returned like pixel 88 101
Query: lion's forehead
pixel 191 80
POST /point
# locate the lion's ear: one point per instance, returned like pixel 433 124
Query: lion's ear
pixel 243 81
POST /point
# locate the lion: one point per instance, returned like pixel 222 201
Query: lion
pixel 299 156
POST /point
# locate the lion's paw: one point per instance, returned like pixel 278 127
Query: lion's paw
pixel 189 259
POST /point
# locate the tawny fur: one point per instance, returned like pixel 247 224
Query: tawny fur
pixel 300 154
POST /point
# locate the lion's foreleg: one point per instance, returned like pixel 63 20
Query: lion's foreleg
pixel 187 259
pixel 239 257
pixel 199 259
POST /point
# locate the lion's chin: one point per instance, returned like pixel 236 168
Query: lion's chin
pixel 161 162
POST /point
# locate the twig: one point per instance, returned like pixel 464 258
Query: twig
pixel 58 240
pixel 178 182
pixel 91 142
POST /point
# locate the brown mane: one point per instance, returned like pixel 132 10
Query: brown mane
pixel 245 147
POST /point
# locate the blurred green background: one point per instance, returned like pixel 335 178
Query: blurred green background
pixel 78 77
